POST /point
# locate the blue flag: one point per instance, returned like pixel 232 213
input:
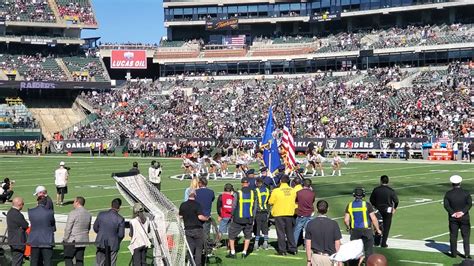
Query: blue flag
pixel 271 155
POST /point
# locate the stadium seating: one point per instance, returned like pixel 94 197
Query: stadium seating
pixel 30 11
pixel 225 53
pixel 77 11
pixel 86 68
pixel 33 67
pixel 16 116
pixel 352 105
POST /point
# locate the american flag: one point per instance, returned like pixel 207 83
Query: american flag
pixel 238 40
pixel 288 141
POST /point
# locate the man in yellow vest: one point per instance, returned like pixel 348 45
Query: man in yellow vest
pixel 261 217
pixel 359 218
pixel 282 200
pixel 243 213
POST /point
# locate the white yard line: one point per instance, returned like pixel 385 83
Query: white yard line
pixel 396 236
pixel 436 236
pixel 421 262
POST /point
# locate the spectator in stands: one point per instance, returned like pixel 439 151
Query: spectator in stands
pixel 324 106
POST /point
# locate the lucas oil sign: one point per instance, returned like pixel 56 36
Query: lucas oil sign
pixel 128 59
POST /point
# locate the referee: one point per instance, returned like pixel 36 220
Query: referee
pixel 384 199
pixel 457 203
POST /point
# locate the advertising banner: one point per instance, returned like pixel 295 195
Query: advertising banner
pixel 325 17
pixel 7 143
pixel 222 24
pixel 301 144
pixel 53 85
pixel 128 59
pixel 368 144
pixel 84 145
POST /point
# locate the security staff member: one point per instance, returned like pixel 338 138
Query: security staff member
pixel 243 213
pixel 252 180
pixel 267 179
pixel 359 218
pixel 261 217
pixel 457 203
pixel 385 200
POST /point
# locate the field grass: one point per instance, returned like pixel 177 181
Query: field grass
pixel 420 186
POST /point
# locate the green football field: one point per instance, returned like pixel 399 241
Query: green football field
pixel 420 186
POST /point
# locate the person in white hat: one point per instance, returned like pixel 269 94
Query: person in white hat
pixel 41 191
pixel 457 203
pixel 61 176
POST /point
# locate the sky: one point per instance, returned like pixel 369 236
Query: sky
pixel 128 21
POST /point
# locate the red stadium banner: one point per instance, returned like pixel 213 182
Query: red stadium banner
pixel 128 59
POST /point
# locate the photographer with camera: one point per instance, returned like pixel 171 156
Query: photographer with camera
pixel 6 190
pixel 154 174
pixel 61 177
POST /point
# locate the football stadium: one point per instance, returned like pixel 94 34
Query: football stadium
pixel 316 132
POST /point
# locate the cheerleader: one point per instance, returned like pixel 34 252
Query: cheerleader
pixel 318 162
pixel 240 165
pixel 213 166
pixel 202 164
pixel 224 169
pixel 310 164
pixel 188 167
pixel 337 164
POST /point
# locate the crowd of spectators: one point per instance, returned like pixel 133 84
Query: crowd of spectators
pixel 22 10
pixel 78 11
pixel 16 116
pixel 423 35
pixel 321 106
pixel 32 67
pixel 40 67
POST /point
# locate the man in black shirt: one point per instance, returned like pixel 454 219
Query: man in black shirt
pixel 385 200
pixel 323 237
pixel 470 149
pixel 134 170
pixel 191 213
pixel 457 203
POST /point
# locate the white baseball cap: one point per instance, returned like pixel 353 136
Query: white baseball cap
pixel 39 189
pixel 62 164
pixel 455 179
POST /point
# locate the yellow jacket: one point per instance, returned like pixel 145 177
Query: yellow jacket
pixel 283 200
